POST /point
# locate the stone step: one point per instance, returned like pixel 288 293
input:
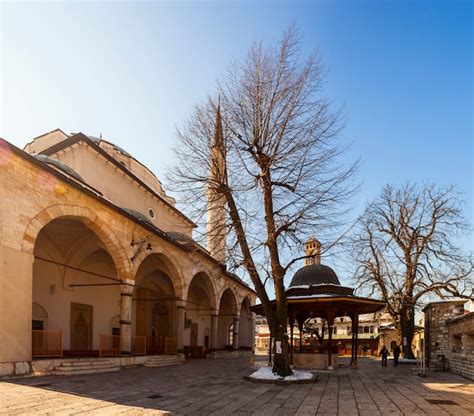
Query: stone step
pixel 72 372
pixel 163 358
pixel 85 367
pixel 166 364
pixel 163 361
pixel 85 363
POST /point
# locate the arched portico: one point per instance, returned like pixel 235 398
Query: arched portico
pixel 200 304
pixel 75 282
pixel 246 326
pixel 228 315
pixel 155 304
pixel 91 220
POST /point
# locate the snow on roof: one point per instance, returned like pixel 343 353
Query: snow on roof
pixel 317 295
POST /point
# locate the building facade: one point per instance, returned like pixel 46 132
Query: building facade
pixel 449 337
pixel 95 258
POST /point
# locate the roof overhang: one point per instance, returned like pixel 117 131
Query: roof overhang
pixel 316 306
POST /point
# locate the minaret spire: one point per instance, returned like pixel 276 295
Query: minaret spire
pixel 216 205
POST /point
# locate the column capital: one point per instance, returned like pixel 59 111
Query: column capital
pixel 127 287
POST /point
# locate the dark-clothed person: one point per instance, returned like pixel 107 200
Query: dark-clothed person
pixel 384 355
pixel 396 355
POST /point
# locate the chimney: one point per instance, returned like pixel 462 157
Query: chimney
pixel 312 248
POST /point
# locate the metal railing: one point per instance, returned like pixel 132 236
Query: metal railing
pixel 139 345
pixel 161 345
pixel 109 345
pixel 171 345
pixel 46 343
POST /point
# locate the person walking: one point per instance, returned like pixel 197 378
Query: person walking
pixel 396 354
pixel 365 349
pixel 384 355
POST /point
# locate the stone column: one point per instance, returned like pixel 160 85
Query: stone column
pixel 214 322
pixel 180 306
pixel 235 335
pixel 126 291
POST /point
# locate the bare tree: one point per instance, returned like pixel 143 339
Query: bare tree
pixel 405 251
pixel 317 327
pixel 282 178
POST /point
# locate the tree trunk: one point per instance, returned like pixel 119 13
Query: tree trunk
pixel 281 360
pixel 407 329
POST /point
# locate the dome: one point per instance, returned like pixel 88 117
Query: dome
pixel 315 274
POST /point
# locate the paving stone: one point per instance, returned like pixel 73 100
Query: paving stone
pixel 204 387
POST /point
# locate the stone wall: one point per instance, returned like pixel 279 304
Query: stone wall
pixel 436 332
pixel 461 345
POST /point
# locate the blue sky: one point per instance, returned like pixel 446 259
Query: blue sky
pixel 133 72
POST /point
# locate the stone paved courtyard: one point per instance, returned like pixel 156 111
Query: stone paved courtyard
pixel 204 387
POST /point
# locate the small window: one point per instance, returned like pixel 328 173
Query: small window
pixel 115 331
pixel 151 213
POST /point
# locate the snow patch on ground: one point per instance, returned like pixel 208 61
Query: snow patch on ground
pixel 266 373
pixel 407 360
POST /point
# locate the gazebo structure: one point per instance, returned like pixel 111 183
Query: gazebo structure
pixel 315 292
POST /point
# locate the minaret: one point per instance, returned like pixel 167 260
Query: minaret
pixel 216 205
pixel 312 248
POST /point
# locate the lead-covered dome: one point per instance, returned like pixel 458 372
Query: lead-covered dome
pixel 315 274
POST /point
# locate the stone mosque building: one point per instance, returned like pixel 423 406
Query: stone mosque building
pixel 97 261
